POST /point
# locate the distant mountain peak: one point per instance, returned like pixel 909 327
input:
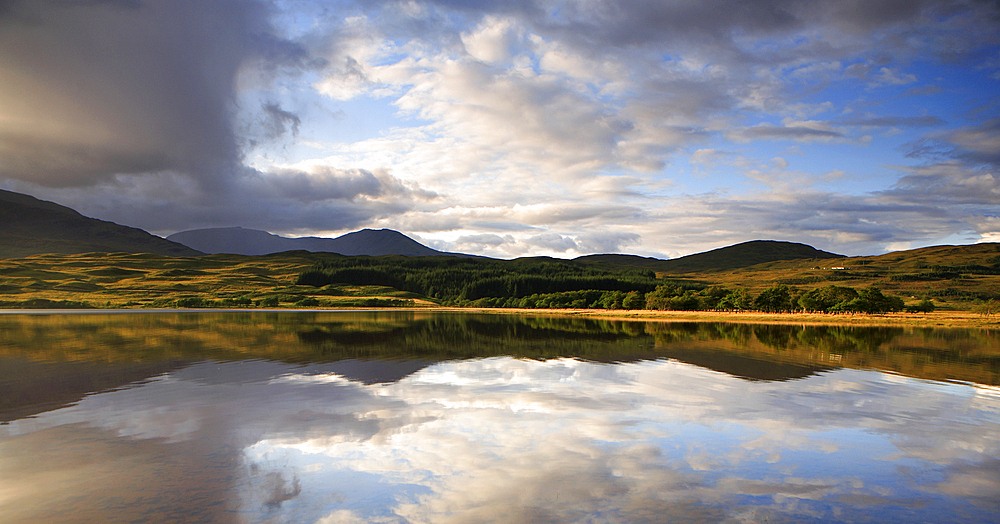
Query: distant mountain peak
pixel 242 241
pixel 746 254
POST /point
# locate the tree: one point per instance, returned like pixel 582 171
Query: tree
pixel 612 300
pixel 825 298
pixel 739 300
pixel 987 308
pixel 871 300
pixel 634 300
pixel 659 298
pixel 774 299
pixel 925 306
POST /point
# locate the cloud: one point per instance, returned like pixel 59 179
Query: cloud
pixel 546 120
pixel 893 121
pixel 947 184
pixel 277 122
pixel 978 143
pixel 110 88
pixel 550 243
pixel 286 201
pixel 767 131
pixel 888 76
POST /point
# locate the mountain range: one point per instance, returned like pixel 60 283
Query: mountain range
pixel 240 241
pixel 29 226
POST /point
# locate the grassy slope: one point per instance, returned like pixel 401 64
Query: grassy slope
pixel 736 256
pixel 742 255
pixel 143 280
pixel 32 226
pixel 909 274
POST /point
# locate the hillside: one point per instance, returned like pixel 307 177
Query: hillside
pixel 31 226
pixel 954 277
pixel 943 273
pixel 742 255
pixel 240 241
pixel 737 256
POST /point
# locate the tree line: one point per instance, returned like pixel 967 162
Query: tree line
pixel 668 297
pixel 550 283
pixel 459 281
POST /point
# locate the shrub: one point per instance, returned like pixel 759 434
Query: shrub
pixel 190 302
pixel 925 306
pixel 269 302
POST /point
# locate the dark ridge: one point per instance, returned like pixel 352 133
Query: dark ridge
pixel 621 260
pixel 241 241
pixel 32 227
pixel 744 255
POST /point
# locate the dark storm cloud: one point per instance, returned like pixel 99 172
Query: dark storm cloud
pixel 277 122
pixel 287 201
pixel 108 88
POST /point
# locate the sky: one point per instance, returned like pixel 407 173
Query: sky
pixel 517 128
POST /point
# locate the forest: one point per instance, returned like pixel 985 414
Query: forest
pixel 548 283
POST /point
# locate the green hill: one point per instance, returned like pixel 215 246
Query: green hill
pixel 633 261
pixel 743 255
pixel 732 257
pixel 29 226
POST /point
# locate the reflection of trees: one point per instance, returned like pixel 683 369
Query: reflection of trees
pixel 844 339
pixel 471 336
pixel 774 335
pixel 962 354
pixel 738 334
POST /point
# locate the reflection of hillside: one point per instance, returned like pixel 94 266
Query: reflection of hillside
pixel 766 352
pixel 30 387
pixel 971 355
pixel 742 366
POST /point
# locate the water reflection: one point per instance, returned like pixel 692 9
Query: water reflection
pixel 605 422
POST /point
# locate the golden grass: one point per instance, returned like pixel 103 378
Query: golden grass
pixel 125 281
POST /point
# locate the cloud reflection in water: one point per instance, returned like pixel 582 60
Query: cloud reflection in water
pixel 512 440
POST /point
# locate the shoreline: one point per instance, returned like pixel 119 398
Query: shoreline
pixel 936 319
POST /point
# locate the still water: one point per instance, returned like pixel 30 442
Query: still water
pixel 419 417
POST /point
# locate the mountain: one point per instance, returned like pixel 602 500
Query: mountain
pixel 736 256
pixel 622 261
pixel 29 226
pixel 240 241
pixel 742 255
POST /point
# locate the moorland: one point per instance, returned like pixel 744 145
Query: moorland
pixel 963 279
